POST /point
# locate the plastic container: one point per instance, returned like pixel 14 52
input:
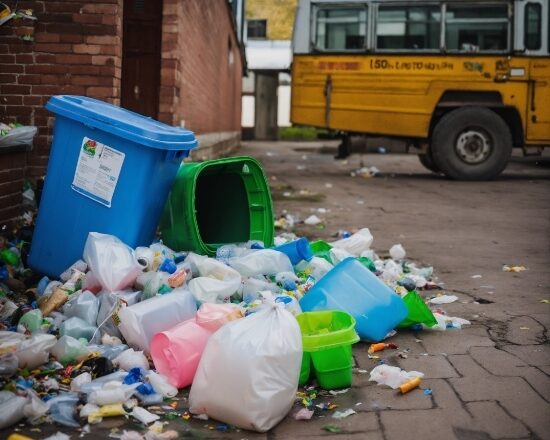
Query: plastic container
pixel 140 322
pixel 327 336
pixel 296 250
pixel 110 170
pixel 176 352
pixel 321 249
pixel 353 288
pixel 217 202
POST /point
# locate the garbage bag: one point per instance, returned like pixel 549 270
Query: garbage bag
pixel 84 305
pixel 63 409
pixel 256 362
pixel 8 364
pixel 113 263
pixel 68 350
pixel 11 408
pixel 261 262
pixel 18 136
pixel 418 311
pixel 35 407
pixel 216 281
pixel 110 304
pixel 35 351
pixel 78 328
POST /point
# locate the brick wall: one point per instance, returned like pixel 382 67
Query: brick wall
pixel 72 48
pixel 201 67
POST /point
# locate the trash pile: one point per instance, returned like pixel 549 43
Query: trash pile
pixel 123 329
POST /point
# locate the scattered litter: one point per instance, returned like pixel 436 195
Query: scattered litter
pixel 343 414
pixel 393 377
pixel 506 268
pixel 312 220
pixel 332 428
pixel 444 299
pixel 409 385
pixel 304 414
pixel 336 392
pixel 476 276
pixel 381 346
pixel 397 252
pixel 524 328
pixel 428 392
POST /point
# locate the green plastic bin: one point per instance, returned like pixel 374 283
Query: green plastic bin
pixel 328 336
pixel 217 202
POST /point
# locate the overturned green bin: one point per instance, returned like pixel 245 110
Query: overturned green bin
pixel 217 202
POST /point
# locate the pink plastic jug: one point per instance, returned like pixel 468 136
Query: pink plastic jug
pixel 176 352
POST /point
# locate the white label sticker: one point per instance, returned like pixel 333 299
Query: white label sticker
pixel 97 171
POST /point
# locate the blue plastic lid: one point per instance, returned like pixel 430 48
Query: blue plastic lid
pixel 121 122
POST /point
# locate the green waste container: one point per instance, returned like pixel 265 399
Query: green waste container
pixel 217 202
pixel 327 337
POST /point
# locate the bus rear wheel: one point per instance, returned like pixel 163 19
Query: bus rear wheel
pixel 427 161
pixel 471 143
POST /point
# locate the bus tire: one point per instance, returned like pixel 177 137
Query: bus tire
pixel 427 161
pixel 471 143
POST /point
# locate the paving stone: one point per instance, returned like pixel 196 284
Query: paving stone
pixel 404 340
pixel 383 397
pixel 545 369
pixel 357 423
pixel 436 366
pixel 524 330
pixel 445 397
pixel 490 417
pixel 456 341
pixel 497 362
pixel 417 424
pixel 539 381
pixel 536 355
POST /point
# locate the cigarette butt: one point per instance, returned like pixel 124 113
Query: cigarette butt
pixel 377 347
pixel 410 385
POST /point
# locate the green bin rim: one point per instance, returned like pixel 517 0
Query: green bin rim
pixel 337 338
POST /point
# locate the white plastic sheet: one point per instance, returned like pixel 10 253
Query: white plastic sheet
pixel 113 263
pixel 256 362
pixel 216 281
pixel 392 376
pixel 357 243
pixel 261 262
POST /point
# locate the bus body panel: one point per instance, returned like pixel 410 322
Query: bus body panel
pixel 538 116
pixel 396 95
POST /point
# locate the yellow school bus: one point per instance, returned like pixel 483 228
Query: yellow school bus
pixel 463 81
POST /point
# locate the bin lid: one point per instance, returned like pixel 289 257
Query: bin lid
pixel 121 122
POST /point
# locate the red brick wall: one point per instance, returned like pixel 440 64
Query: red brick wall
pixel 198 83
pixel 76 50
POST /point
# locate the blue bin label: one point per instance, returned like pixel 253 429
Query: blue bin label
pixel 97 171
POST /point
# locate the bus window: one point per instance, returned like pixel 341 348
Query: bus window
pixel 341 28
pixel 408 27
pixel 476 28
pixel 533 26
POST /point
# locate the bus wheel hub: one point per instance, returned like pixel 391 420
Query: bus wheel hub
pixel 473 146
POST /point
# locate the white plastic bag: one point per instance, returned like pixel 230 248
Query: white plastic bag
pixel 35 351
pixel 113 263
pixel 18 136
pixel 261 262
pixel 357 243
pixel 11 408
pixel 140 322
pixel 216 281
pixel 392 376
pixel 110 304
pixel 84 305
pixel 256 362
pixel 131 359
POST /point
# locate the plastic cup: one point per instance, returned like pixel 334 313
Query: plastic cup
pixel 296 250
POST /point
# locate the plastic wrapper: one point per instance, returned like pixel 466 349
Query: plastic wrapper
pixel 317 267
pixel 87 410
pixel 84 306
pixel 149 399
pixel 338 254
pixel 7 309
pixel 35 407
pixel 78 265
pixel 35 351
pixel 68 350
pixel 150 283
pixel 216 281
pixel 63 409
pixel 140 322
pixel 418 312
pixel 251 287
pixel 393 377
pixel 11 408
pixel 30 322
pixel 113 263
pixel 143 415
pixel 109 396
pixel 78 328
pixel 80 380
pixel 18 136
pixel 256 362
pixel 397 252
pixel 357 243
pixel 261 262
pixel 53 301
pixel 99 383
pixel 110 304
pixel 131 359
pixel 8 364
pixel 161 385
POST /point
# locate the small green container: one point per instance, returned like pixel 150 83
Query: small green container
pixel 327 336
pixel 217 202
pixel 321 249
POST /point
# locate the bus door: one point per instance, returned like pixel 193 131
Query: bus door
pixel 535 18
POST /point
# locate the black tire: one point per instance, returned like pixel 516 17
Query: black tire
pixel 471 143
pixel 427 161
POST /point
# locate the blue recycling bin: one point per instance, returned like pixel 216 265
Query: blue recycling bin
pixel 110 170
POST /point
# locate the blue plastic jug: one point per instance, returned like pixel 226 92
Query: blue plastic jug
pixel 354 289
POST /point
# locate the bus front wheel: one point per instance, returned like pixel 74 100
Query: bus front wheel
pixel 471 143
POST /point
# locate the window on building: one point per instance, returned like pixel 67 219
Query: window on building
pixel 408 27
pixel 533 26
pixel 476 28
pixel 341 28
pixel 257 29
